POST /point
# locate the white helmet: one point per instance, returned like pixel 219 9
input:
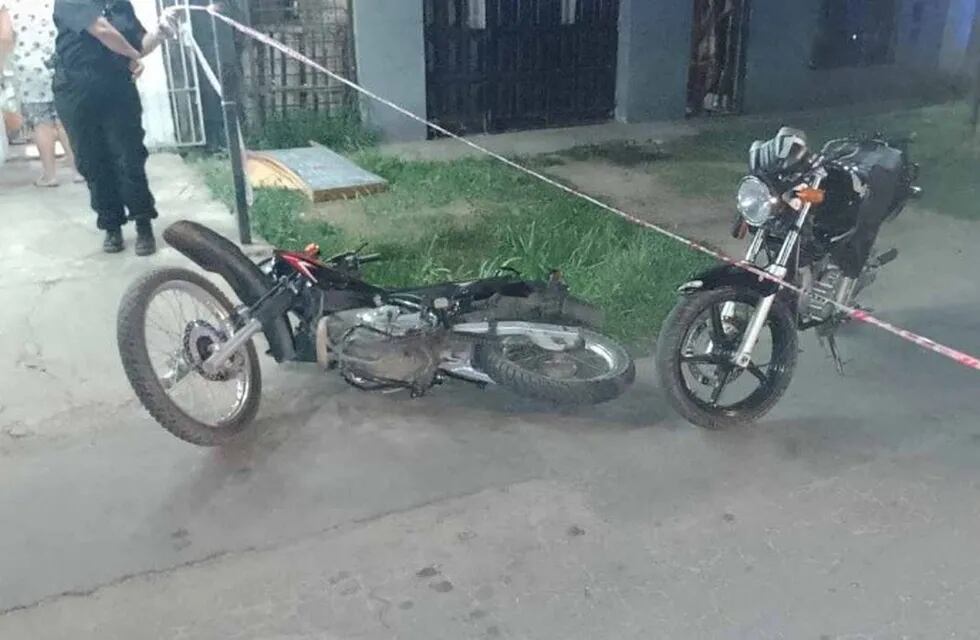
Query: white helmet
pixel 779 153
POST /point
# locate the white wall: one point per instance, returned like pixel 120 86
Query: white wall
pixel 157 116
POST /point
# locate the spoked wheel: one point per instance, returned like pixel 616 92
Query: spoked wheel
pixel 170 322
pixel 695 355
pixel 595 370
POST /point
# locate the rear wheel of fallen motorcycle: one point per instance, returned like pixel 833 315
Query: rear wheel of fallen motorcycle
pixel 169 323
pixel 695 355
pixel 596 371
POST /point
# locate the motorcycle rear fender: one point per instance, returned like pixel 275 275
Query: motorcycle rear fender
pixel 216 254
pixel 728 276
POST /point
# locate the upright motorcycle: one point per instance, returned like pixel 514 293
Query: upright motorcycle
pixel 727 351
pixel 189 353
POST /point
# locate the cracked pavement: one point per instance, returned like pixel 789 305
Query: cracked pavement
pixel 851 512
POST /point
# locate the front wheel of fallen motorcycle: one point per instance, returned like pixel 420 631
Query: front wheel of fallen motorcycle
pixel 169 322
pixel 596 370
pixel 695 358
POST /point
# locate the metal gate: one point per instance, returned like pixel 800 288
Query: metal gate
pixel 717 70
pixel 184 88
pixel 276 85
pixel 497 65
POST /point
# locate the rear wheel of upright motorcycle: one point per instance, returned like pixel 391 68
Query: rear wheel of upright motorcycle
pixel 695 352
pixel 566 383
pixel 184 315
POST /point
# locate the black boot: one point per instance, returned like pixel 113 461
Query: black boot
pixel 146 244
pixel 113 242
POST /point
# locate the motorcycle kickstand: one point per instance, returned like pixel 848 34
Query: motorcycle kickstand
pixel 831 341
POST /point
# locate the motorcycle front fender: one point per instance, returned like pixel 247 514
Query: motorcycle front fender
pixel 216 254
pixel 728 276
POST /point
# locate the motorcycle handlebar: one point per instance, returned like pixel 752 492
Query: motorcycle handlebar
pixel 351 258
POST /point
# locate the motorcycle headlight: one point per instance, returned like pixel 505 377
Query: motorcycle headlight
pixel 756 202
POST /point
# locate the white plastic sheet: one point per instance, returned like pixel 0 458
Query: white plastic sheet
pixel 154 89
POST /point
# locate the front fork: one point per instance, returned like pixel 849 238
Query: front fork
pixel 274 304
pixel 778 269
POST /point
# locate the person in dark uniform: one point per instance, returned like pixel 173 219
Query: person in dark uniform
pixel 98 50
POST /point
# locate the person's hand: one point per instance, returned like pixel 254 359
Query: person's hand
pixel 137 68
pixel 170 21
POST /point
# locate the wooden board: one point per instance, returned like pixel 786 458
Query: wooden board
pixel 317 171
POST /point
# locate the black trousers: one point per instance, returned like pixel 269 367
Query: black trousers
pixel 104 122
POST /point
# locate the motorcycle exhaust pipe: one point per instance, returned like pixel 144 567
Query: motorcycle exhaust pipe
pixel 545 336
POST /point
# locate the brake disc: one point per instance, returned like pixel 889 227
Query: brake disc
pixel 201 340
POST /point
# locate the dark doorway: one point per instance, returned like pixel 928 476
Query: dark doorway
pixel 717 57
pixel 498 65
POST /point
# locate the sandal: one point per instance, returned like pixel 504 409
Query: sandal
pixel 43 182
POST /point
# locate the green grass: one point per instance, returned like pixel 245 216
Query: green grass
pixel 521 223
pixel 711 162
pixel 341 132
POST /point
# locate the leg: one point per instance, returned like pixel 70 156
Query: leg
pixel 124 129
pixel 69 153
pixel 45 137
pixel 40 117
pixel 83 121
pixel 125 137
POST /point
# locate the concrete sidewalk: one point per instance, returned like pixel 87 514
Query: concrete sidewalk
pixel 57 323
pixel 540 141
pixel 544 141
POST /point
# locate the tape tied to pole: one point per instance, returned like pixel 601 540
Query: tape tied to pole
pixel 185 35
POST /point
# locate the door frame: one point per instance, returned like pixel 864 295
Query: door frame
pixel 738 79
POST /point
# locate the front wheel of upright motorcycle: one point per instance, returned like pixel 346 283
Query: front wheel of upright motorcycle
pixel 169 323
pixel 695 355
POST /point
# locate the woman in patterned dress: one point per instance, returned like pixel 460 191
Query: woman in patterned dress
pixel 7 42
pixel 32 60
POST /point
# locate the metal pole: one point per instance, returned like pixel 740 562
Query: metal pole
pixel 975 115
pixel 229 111
pixel 974 47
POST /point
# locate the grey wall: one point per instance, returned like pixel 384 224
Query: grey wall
pixel 779 77
pixel 963 16
pixel 654 55
pixel 779 43
pixel 921 47
pixel 390 51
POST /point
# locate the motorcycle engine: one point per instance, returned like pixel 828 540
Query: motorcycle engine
pixel 821 284
pixel 384 347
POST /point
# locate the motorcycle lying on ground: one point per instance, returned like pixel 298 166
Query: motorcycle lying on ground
pixel 189 352
pixel 728 350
